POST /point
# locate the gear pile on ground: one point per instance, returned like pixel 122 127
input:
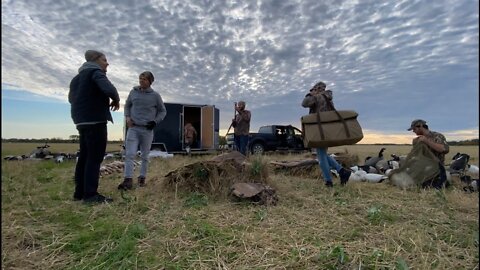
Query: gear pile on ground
pixel 43 153
pixel 114 167
pixel 215 177
pixel 465 175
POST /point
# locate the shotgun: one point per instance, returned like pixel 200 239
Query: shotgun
pixel 234 116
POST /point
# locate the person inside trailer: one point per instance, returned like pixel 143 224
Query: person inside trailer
pixel 190 137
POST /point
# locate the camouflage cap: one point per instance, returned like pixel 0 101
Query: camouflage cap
pixel 417 122
pixel 318 86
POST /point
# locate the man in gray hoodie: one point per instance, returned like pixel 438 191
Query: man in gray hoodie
pixel 90 94
pixel 144 109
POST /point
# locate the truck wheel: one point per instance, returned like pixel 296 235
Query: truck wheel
pixel 258 148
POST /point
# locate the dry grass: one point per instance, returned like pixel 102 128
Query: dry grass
pixel 360 226
pixel 214 177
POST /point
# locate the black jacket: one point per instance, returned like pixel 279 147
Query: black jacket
pixel 90 94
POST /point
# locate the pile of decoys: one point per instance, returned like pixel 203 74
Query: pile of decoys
pixel 467 173
pixel 43 153
pixel 375 169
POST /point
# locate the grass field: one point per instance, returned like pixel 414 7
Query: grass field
pixel 17 149
pixel 360 226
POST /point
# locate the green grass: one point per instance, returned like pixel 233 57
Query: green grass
pixel 360 226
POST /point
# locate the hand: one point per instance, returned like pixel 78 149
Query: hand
pixel 130 122
pixel 321 92
pixel 151 125
pixel 115 105
pixel 422 138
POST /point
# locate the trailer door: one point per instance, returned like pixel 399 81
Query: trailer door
pixel 207 130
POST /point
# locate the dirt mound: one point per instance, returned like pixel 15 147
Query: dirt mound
pixel 303 168
pixel 215 177
pixel 309 167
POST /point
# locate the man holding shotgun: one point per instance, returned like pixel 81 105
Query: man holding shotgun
pixel 241 127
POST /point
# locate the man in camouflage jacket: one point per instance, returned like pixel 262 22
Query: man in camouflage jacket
pixel 436 142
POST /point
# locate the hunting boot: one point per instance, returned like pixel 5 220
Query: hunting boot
pixel 344 175
pixel 141 181
pixel 126 184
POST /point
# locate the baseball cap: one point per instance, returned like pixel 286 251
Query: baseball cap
pixel 417 122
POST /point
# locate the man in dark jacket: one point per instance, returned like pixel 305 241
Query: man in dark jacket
pixel 89 96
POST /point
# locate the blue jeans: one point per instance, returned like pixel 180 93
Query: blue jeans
pixel 241 142
pixel 137 137
pixel 93 143
pixel 326 162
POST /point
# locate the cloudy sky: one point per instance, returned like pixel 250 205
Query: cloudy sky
pixel 391 61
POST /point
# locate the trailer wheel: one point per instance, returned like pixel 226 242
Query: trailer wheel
pixel 258 149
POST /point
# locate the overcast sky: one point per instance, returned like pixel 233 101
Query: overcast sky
pixel 391 61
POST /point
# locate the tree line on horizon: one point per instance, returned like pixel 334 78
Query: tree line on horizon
pixel 222 141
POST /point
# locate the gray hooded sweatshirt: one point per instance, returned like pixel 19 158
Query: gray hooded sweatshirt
pixel 143 106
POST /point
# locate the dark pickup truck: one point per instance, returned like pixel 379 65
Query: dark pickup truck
pixel 272 138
